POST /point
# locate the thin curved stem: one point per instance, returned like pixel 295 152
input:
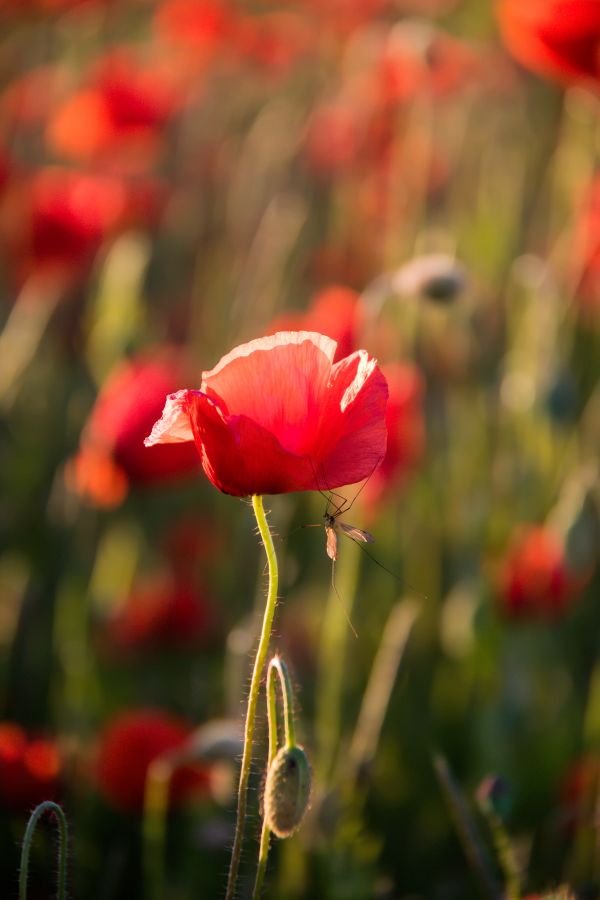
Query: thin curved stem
pixel 46 806
pixel 277 667
pixel 259 664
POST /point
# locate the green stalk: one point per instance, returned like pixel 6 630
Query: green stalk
pixel 259 664
pixel 46 806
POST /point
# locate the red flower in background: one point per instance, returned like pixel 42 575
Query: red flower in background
pixel 112 455
pixel 334 311
pixel 534 580
pixel 406 430
pixel 587 251
pixel 557 38
pixel 200 28
pixel 277 415
pixel 162 611
pixel 129 745
pixel 121 113
pixel 57 220
pixel 29 768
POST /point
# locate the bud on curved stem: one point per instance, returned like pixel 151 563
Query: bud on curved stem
pixel 46 806
pixel 288 783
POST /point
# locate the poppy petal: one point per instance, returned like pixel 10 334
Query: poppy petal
pixel 279 382
pixel 174 425
pixel 354 434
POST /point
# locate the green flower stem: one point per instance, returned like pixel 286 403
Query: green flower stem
pixel 277 667
pixel 332 660
pixel 46 806
pixel 259 664
pixel 154 827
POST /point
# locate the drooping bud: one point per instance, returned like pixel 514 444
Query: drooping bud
pixel 436 276
pixel 287 791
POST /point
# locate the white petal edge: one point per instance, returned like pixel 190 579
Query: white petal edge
pixel 366 365
pixel 282 338
pixel 174 425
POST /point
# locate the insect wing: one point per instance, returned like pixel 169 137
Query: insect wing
pixel 357 534
pixel 331 537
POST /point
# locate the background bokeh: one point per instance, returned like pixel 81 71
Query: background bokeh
pixel 416 178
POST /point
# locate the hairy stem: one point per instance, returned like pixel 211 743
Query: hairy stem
pixel 57 811
pixel 259 664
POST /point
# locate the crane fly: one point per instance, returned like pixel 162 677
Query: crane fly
pixel 334 526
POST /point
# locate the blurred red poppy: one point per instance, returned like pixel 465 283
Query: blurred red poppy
pixel 277 415
pixel 334 311
pixel 406 430
pixel 112 454
pixel 534 579
pixel 57 220
pixel 122 111
pixel 129 745
pixel 29 768
pixel 163 611
pixel 587 252
pixel 557 38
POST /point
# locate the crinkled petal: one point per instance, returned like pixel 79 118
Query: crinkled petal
pixel 174 425
pixel 353 432
pixel 280 382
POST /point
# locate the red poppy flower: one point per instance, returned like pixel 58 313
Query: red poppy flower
pixel 29 768
pixel 587 252
pixel 129 744
pixel 558 38
pixel 112 454
pixel 122 111
pixel 277 415
pixel 334 311
pixel 534 579
pixel 198 30
pixel 162 611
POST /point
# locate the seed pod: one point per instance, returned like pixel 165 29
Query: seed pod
pixel 287 791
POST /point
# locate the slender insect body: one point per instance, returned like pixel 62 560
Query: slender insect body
pixel 333 526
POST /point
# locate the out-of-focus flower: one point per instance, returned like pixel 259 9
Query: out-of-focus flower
pixel 163 611
pixel 119 115
pixel 112 455
pixel 189 541
pixel 58 219
pixel 579 793
pixel 274 41
pixel 202 29
pixel 334 311
pixel 129 744
pixel 335 136
pixel 557 38
pixel 29 99
pixel 30 768
pixel 416 58
pixel 277 415
pixel 586 252
pixel 406 430
pixel 534 580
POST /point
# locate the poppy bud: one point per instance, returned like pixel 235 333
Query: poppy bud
pixel 287 791
pixel 436 276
